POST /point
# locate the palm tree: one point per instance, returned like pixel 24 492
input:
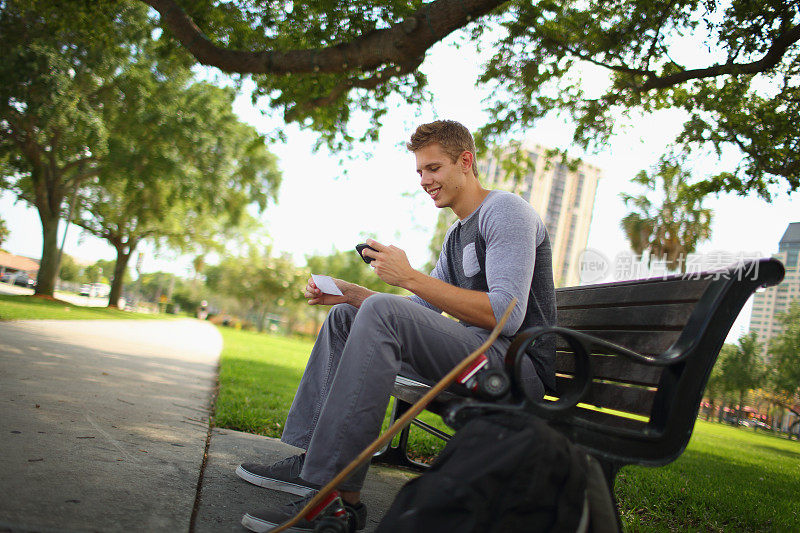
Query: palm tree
pixel 672 230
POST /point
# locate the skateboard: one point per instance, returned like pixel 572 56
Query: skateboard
pixel 327 501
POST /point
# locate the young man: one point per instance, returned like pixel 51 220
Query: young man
pixel 497 250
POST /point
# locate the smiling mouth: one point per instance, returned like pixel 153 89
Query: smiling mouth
pixel 433 193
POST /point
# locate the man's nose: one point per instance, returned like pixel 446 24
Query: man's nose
pixel 424 179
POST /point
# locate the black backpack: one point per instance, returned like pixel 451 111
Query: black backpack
pixel 505 472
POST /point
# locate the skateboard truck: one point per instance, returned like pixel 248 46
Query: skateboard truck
pixel 332 515
pixel 484 382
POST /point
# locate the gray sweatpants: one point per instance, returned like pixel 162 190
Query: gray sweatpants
pixel 342 398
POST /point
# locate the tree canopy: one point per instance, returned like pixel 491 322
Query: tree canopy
pixel 319 61
pixel 784 351
pixel 742 367
pixel 259 281
pixel 180 167
pixel 96 107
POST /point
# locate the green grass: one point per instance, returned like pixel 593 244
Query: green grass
pixel 14 307
pixel 729 479
pixel 258 376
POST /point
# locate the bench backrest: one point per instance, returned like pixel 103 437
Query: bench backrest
pixel 637 413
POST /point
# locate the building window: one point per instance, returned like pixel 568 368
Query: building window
pixel 791 258
pixel 556 196
pixel 578 190
pixel 527 192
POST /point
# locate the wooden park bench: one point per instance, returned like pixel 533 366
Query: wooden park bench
pixel 632 362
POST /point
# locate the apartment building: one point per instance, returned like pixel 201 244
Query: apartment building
pixel 774 300
pixel 562 194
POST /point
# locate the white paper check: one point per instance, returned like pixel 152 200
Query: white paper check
pixel 326 284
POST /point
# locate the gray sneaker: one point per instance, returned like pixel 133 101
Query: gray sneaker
pixel 283 475
pixel 347 516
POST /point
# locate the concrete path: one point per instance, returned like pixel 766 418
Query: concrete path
pixel 104 426
pixel 225 498
pixel 104 423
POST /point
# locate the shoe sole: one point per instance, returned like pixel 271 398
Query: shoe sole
pixel 262 526
pixel 274 484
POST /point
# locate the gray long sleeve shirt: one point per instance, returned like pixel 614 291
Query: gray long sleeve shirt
pixel 503 249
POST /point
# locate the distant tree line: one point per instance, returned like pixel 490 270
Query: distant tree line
pixel 256 289
pixel 749 372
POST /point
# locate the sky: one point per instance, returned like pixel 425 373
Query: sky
pixel 329 203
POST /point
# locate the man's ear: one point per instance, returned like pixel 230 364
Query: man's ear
pixel 466 159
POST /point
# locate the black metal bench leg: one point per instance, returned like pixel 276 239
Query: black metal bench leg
pixel 610 470
pixel 398 455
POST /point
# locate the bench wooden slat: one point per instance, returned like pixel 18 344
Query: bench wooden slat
pixel 632 293
pixel 609 419
pixel 650 317
pixel 646 342
pixel 629 399
pixel 613 368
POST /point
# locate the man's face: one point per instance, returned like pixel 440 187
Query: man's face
pixel 441 178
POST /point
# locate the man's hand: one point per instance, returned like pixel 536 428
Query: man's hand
pixel 317 297
pixel 390 264
pixel 351 294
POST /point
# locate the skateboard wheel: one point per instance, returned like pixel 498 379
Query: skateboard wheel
pixel 492 384
pixel 330 524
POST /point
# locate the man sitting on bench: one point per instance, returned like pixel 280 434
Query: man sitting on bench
pixel 499 249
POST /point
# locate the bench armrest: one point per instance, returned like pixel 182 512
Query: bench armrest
pixel 580 343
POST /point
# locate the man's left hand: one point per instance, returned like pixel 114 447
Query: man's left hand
pixel 390 263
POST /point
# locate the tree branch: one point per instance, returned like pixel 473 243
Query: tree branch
pixel 80 176
pixel 617 68
pixel 399 44
pixel 78 162
pixel 770 59
pixel 654 43
pixel 369 83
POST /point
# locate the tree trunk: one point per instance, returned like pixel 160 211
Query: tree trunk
pixel 119 275
pixel 741 407
pixel 48 266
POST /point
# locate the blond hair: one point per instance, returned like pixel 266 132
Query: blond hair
pixel 452 136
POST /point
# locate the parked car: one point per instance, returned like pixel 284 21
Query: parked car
pixel 758 424
pixel 24 280
pixel 95 290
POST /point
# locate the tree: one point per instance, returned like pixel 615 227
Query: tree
pixel 742 367
pixel 318 61
pixel 69 270
pixel 672 230
pixel 444 220
pixel 58 61
pixel 715 387
pixel 784 358
pixel 260 282
pixel 3 232
pixel 93 273
pixel 176 181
